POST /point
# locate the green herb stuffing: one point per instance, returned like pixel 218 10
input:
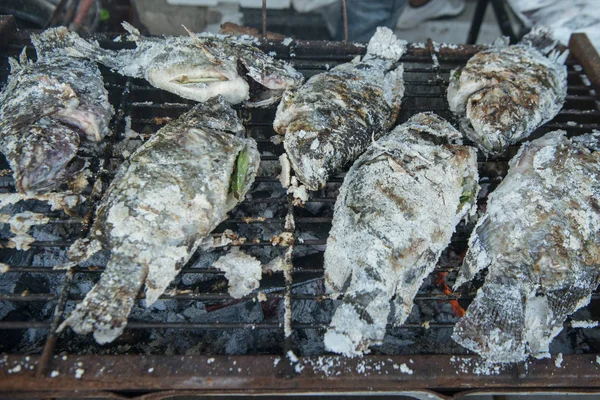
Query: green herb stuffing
pixel 239 173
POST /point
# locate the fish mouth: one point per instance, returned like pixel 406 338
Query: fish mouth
pixel 86 121
pixel 47 159
pixel 259 94
pixel 190 79
pixel 201 82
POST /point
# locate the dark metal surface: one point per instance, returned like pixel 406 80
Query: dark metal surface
pixel 275 374
pixel 501 11
pixel 478 15
pixel 116 371
pixel 8 28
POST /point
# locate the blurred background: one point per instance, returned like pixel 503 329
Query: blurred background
pixel 449 21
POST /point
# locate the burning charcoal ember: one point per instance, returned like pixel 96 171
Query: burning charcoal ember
pixel 198 67
pixel 164 201
pixel 539 240
pixel 395 214
pixel 48 109
pixel 333 118
pixel 506 92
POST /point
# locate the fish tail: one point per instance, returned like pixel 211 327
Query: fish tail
pixel 546 312
pixel 61 40
pixel 358 323
pixel 105 309
pixel 476 258
pixel 385 44
pixel 494 323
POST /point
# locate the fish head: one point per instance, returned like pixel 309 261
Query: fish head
pixel 189 73
pixel 45 157
pixel 496 115
pixel 42 95
pixel 268 78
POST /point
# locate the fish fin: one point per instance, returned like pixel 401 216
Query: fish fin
pixel 591 141
pixel 547 310
pixel 215 113
pixel 193 36
pixel 409 282
pixel 558 57
pixel 272 96
pixel 82 249
pixel 105 309
pixel 203 46
pixel 432 124
pixel 161 273
pixel 18 64
pixel 337 276
pixel 132 30
pixel 540 38
pixel 477 257
pixel 15 66
pixel 393 89
pixel 384 44
pixel 494 322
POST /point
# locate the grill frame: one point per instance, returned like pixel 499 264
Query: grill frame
pixel 261 374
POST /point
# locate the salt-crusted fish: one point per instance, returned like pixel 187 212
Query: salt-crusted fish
pixel 47 110
pixel 174 190
pixel 540 240
pixel 397 209
pixel 332 119
pixel 506 92
pixel 198 67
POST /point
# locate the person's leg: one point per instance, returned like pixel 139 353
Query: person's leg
pixel 365 16
pixel 418 3
pixel 423 10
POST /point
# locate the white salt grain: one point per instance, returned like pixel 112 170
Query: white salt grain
pixel 585 324
pixel 292 356
pixel 241 270
pixel 558 361
pixel 404 369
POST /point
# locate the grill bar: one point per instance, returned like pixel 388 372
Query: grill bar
pixel 299 286
pixel 213 374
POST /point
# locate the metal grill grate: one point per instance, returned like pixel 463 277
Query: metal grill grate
pixel 196 316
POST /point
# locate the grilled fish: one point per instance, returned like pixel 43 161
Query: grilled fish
pixel 540 240
pixel 198 67
pixel 396 212
pixel 174 190
pixel 47 110
pixel 332 119
pixel 506 92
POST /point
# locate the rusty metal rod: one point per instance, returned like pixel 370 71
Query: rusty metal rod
pixel 584 50
pixel 226 297
pixel 52 338
pixel 84 8
pixel 345 16
pixel 56 14
pixel 264 19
